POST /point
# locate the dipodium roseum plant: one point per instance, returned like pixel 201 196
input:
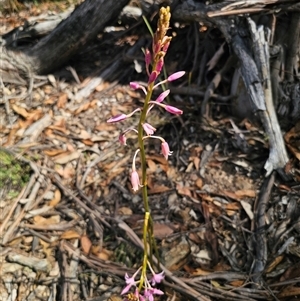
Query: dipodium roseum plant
pixel 144 289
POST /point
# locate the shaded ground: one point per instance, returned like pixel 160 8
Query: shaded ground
pixel 74 230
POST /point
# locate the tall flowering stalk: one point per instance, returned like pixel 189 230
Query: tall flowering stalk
pixel 154 60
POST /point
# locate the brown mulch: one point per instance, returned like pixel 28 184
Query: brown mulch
pixel 74 229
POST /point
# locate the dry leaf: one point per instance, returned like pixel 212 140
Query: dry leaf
pixel 62 100
pixel 233 206
pixel 183 190
pixel 196 161
pixel 105 127
pixel 289 292
pixel 200 272
pixel 237 283
pixel 56 199
pixel 104 255
pixel 221 267
pixel 70 234
pixel 15 241
pixel 194 237
pixel 158 189
pixel 152 166
pixel 46 249
pixel 124 211
pixel 21 111
pixel 102 86
pixel 53 152
pixel 246 193
pixel 85 107
pixel 87 142
pixel 159 159
pixel 199 183
pixel 171 173
pixel 114 174
pixel 161 230
pixel 39 220
pixel 29 116
pixel 66 157
pixel 65 172
pixel 190 167
pixel 86 244
pixel 49 101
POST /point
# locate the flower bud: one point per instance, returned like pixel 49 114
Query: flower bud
pixel 162 96
pixel 117 118
pixel 176 75
pixel 134 85
pixel 173 110
pixel 153 76
pixel 159 65
pixel 148 57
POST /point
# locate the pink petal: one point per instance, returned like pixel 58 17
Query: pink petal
pixel 162 96
pixel 125 289
pixel 156 291
pixel 176 75
pixel 159 65
pixel 165 150
pixel 135 180
pixel 152 77
pixel 148 57
pixel 122 139
pixel 173 110
pixel 117 118
pixel 134 85
pixel 157 278
pixel 149 129
pixel 165 47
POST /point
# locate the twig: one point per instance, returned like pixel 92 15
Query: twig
pixel 215 83
pixel 12 209
pixel 21 215
pixel 293 46
pixel 56 179
pixel 260 240
pixel 278 156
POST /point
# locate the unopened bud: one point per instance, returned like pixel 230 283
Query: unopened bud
pixel 176 75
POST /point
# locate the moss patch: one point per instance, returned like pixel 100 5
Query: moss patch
pixel 14 174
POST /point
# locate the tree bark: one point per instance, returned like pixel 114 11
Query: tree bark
pixel 70 36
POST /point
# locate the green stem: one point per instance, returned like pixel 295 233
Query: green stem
pixel 145 258
pixel 144 187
